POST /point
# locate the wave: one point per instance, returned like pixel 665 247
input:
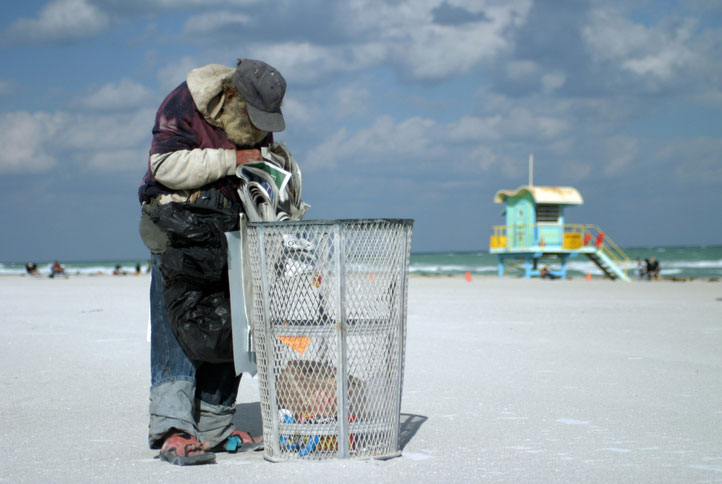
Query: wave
pixel 677 261
pixel 85 269
pixel 702 264
pixel 449 269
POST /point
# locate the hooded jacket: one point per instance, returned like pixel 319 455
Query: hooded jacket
pixel 189 151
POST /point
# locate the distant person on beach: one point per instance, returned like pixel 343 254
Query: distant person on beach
pixel 641 269
pixel 57 269
pixel 546 274
pixel 216 120
pixel 32 269
pixel 653 269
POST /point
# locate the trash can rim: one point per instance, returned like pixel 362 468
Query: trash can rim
pixel 402 221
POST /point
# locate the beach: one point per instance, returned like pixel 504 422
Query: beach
pixel 506 381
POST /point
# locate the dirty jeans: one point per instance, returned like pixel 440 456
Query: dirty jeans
pixel 192 396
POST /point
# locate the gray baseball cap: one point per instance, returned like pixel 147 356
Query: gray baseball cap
pixel 263 88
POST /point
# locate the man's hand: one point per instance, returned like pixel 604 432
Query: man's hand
pixel 245 156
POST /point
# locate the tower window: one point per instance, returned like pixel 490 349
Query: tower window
pixel 548 213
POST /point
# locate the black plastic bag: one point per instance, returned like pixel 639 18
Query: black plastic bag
pixel 195 279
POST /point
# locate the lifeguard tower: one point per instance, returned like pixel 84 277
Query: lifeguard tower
pixel 536 233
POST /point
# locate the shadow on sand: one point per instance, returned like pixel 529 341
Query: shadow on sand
pixel 248 418
pixel 408 426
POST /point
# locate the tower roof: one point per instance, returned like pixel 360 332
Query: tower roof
pixel 543 195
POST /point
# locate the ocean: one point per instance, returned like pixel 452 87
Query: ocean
pixel 675 262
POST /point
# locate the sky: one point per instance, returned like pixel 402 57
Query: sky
pixel 418 109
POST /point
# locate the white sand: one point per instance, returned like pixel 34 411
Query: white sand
pixel 509 380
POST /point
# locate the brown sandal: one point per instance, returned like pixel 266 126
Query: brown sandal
pixel 240 441
pixel 178 450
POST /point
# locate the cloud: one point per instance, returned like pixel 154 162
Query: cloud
pixel 430 52
pixel 115 131
pixel 618 51
pixel 297 113
pixel 123 94
pixel 485 156
pixel 528 77
pixel 128 8
pixel 520 121
pixel 59 21
pixel 659 53
pixel 213 22
pixel 467 144
pixel 378 143
pixel 36 142
pixel 694 161
pixel 184 4
pixel 305 63
pixel 552 81
pixel 577 170
pixel 521 69
pixel 26 141
pixel 328 152
pixel 471 128
pixel 350 100
pixel 171 75
pixel 447 14
pixel 406 36
pixel 115 160
pixel 621 152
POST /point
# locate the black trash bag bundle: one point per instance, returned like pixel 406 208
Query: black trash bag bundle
pixel 195 277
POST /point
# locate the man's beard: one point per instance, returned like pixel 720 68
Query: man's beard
pixel 235 122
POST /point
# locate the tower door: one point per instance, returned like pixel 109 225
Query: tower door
pixel 521 223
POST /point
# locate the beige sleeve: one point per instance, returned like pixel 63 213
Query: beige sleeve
pixel 188 169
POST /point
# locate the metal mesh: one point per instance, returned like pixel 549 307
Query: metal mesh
pixel 329 329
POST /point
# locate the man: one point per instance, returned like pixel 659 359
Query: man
pixel 653 269
pixel 216 120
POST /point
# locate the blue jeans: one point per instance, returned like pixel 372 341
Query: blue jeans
pixel 192 396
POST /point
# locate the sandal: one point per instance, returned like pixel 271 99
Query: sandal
pixel 178 450
pixel 240 441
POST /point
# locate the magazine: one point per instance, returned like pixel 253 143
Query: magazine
pixel 270 190
pixel 278 176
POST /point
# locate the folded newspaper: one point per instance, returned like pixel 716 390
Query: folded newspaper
pixel 270 190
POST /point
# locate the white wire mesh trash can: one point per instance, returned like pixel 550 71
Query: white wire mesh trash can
pixel 329 331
